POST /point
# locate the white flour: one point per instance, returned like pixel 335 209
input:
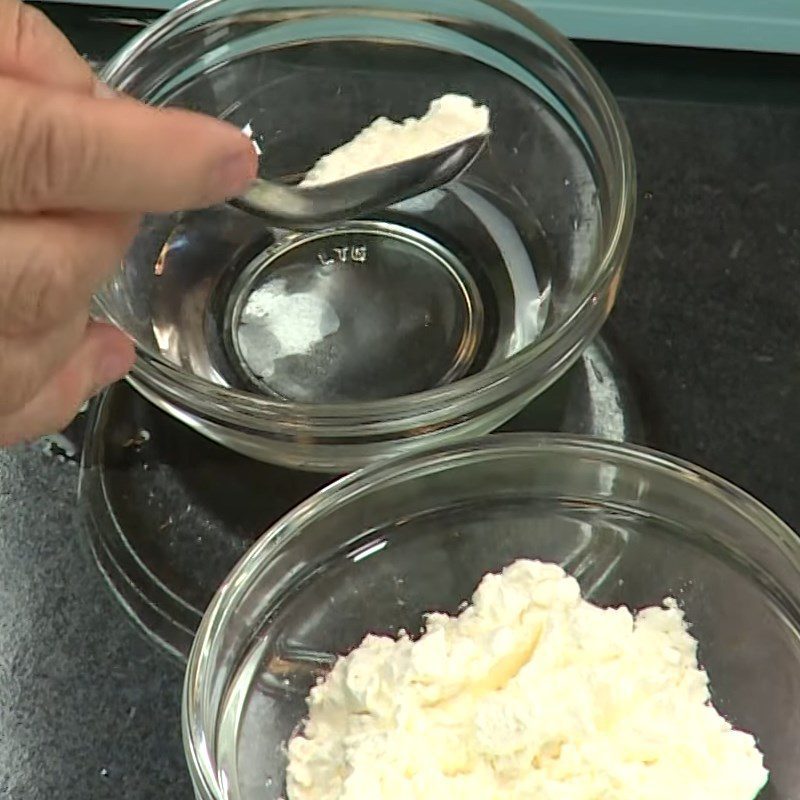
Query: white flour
pixel 450 119
pixel 277 323
pixel 531 692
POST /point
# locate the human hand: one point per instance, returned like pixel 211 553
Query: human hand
pixel 78 165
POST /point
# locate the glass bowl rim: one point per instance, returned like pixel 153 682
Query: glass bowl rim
pixel 770 528
pixel 604 274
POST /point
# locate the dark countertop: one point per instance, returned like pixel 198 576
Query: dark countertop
pixel 707 320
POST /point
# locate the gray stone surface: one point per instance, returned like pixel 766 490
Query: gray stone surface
pixel 709 314
pixel 88 708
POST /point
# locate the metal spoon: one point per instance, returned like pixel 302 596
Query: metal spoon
pixel 304 208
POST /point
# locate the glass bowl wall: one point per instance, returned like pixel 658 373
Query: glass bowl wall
pixel 472 300
pixel 375 551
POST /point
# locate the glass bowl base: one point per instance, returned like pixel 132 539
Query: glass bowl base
pixel 169 513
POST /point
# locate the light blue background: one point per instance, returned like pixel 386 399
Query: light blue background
pixel 766 25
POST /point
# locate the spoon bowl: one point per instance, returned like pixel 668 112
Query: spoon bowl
pixel 306 208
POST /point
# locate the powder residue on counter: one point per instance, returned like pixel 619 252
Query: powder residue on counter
pixel 450 119
pixel 530 692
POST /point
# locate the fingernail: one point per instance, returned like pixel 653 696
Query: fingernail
pixel 103 91
pixel 235 174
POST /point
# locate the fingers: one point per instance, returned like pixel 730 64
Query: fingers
pixel 51 265
pixel 49 268
pixel 103 356
pixel 82 167
pixel 33 49
pixel 26 362
pixel 61 151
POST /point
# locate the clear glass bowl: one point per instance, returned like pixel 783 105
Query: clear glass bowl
pixel 376 550
pixel 169 513
pixel 425 323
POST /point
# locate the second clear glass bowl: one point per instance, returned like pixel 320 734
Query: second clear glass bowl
pixel 433 320
pixel 375 551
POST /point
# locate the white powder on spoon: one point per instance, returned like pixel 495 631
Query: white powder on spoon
pixel 450 119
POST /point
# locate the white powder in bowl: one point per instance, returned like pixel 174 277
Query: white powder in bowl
pixel 450 119
pixel 531 692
